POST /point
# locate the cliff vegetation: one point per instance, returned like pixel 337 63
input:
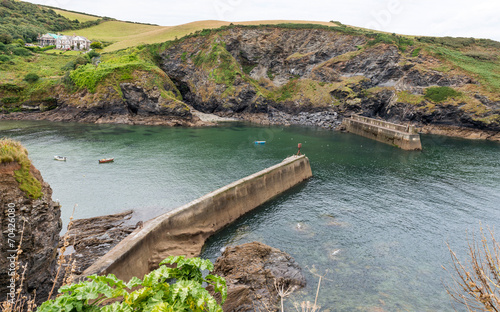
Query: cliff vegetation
pixel 267 71
pixel 12 151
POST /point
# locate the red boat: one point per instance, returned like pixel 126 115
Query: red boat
pixel 106 160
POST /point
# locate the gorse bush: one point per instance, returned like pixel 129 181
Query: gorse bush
pixel 166 289
pixel 31 77
pixel 21 51
pixel 440 94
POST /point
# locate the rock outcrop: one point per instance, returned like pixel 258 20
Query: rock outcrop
pixel 251 271
pixel 291 74
pixel 288 72
pixel 37 220
pixel 89 239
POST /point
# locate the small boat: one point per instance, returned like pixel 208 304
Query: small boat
pixel 260 142
pixel 106 160
pixel 60 158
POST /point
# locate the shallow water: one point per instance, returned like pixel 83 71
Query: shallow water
pixel 375 217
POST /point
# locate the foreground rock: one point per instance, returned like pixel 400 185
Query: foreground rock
pixel 41 221
pixel 89 239
pixel 251 271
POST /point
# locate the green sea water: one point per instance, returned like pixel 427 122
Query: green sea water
pixel 375 219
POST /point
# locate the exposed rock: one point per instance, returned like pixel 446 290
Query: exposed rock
pixel 326 119
pixel 91 238
pixel 278 75
pixel 42 224
pixel 251 271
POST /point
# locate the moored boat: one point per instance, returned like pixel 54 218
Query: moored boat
pixel 60 158
pixel 106 160
pixel 260 142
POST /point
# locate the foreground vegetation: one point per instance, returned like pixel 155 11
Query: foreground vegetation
pixel 167 289
pixel 476 280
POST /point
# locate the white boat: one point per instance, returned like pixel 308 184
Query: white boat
pixel 60 158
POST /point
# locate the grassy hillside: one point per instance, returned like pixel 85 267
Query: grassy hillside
pixel 132 51
pixel 23 20
pixel 82 18
pixel 124 34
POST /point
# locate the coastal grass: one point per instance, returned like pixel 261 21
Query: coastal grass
pixel 13 151
pixel 487 71
pixel 14 89
pixel 407 97
pixel 124 35
pixel 120 66
pixel 45 66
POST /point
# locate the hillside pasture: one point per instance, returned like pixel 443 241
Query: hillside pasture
pixel 82 18
pixel 125 35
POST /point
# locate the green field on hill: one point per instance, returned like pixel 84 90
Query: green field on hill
pixel 125 34
pixel 82 18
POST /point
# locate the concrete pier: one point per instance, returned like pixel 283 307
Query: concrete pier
pixel 404 137
pixel 184 230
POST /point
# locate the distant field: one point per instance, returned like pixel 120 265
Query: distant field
pixel 72 16
pixel 124 35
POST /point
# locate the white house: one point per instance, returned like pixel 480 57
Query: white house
pixel 62 42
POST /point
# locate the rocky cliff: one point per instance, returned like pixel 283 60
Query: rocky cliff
pixel 285 72
pixel 27 211
pixel 298 74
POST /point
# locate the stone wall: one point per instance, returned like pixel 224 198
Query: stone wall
pixel 401 136
pixel 184 230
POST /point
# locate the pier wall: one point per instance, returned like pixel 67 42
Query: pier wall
pixel 184 230
pixel 406 138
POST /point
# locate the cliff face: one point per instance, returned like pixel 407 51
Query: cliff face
pixel 310 70
pixel 41 221
pixel 300 75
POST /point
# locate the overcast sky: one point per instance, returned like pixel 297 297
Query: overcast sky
pixel 458 18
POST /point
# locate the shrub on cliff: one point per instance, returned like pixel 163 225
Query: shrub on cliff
pixel 31 77
pixel 153 293
pixel 11 151
pixel 440 94
pixel 89 76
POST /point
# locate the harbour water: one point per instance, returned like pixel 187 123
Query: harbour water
pixel 375 219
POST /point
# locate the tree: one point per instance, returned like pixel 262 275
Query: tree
pixel 476 282
pixel 91 54
pixel 96 45
pixel 5 38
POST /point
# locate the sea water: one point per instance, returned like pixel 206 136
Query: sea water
pixel 374 220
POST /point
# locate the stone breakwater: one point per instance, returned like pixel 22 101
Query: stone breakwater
pixel 404 137
pixel 184 230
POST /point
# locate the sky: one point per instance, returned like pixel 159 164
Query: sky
pixel 458 18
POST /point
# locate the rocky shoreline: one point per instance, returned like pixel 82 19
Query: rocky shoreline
pixel 322 119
